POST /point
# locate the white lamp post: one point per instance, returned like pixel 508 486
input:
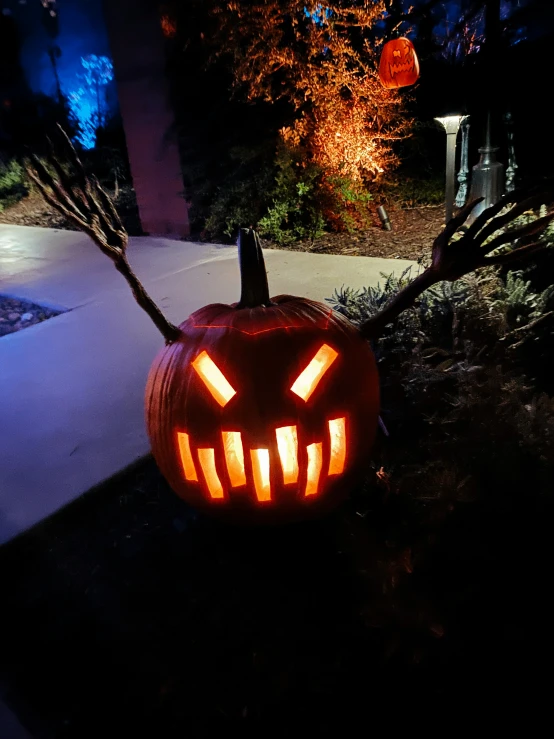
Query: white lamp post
pixel 451 124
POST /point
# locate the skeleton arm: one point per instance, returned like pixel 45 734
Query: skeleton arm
pixel 453 258
pixel 82 200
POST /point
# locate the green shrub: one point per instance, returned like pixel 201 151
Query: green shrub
pixel 109 164
pixel 306 202
pixel 461 339
pixel 296 209
pixel 288 198
pixel 346 204
pixel 13 183
pixel 466 472
pixel 237 204
pixel 242 195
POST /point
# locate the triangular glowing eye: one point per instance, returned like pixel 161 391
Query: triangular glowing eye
pixel 213 378
pixel 309 378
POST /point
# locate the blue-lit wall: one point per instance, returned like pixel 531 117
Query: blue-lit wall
pixel 82 35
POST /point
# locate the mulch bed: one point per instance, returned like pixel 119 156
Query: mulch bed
pixel 411 237
pixel 33 210
pixel 18 314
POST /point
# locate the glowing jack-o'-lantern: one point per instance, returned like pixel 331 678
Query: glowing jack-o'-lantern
pixel 266 409
pixel 399 65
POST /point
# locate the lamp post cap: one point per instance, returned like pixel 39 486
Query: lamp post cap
pixel 451 123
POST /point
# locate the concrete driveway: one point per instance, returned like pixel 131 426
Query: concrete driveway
pixel 71 388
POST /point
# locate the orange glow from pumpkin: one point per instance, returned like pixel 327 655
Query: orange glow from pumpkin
pixel 213 378
pixel 287 445
pixel 186 457
pixel 309 378
pixel 206 457
pixel 234 457
pixel 260 471
pixel 315 460
pixel 337 437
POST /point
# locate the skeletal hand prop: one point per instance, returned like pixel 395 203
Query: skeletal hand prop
pixel 81 199
pixel 454 258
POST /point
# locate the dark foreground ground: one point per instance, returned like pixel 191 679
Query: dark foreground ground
pixel 129 615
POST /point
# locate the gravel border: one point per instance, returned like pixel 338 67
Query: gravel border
pixel 16 314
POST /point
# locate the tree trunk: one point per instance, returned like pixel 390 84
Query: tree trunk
pixel 137 46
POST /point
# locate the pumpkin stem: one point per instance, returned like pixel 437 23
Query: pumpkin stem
pixel 253 277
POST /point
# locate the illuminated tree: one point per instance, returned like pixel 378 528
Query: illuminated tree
pixel 322 59
pixel 88 101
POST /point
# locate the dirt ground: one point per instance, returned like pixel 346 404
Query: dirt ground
pixel 413 230
pixel 412 234
pixel 35 211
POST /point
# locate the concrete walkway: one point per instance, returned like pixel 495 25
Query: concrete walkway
pixel 71 388
pixel 10 728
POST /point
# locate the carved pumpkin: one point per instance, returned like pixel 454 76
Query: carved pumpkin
pixel 399 65
pixel 266 409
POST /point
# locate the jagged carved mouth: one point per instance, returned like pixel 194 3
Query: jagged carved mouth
pixel 221 468
pixel 218 469
pixel 401 67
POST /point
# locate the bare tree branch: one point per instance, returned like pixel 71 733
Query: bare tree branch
pixel 89 207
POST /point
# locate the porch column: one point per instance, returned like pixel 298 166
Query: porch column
pixel 137 46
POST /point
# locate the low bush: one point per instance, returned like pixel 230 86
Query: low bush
pixel 14 184
pixel 287 197
pixel 455 514
pixel 295 212
pixel 231 193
